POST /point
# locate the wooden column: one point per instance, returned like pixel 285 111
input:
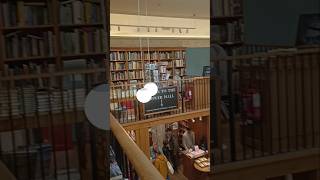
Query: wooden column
pixel 142 140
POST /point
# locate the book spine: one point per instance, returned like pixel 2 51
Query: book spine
pixel 21 13
pixel 77 9
pixel 6 14
pixel 76 41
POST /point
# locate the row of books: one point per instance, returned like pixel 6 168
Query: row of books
pixel 82 41
pixel 179 63
pixel 117 66
pixel 122 56
pixel 119 76
pixel 226 8
pixel 19 13
pixel 229 32
pixel 135 65
pixel 31 100
pixel 20 44
pixel 28 68
pixel 135 74
pixel 118 93
pixel 179 72
pixel 79 12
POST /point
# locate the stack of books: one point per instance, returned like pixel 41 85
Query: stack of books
pixel 77 98
pixel 19 13
pixel 57 102
pixel 21 45
pixel 27 100
pixel 9 103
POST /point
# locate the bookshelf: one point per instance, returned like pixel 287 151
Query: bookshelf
pixel 227 24
pixel 131 65
pixel 51 32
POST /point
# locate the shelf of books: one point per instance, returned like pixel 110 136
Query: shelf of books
pixel 130 65
pixel 227 24
pixel 47 37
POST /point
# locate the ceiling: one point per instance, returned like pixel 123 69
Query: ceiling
pixel 166 8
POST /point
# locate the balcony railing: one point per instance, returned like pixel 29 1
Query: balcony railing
pixel 184 95
pixel 272 102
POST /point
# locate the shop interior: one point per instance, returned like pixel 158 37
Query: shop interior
pixel 176 41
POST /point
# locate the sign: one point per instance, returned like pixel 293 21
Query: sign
pixel 165 99
pixel 206 71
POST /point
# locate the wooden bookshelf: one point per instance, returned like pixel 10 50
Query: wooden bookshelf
pixel 124 61
pixel 40 23
pixel 27 23
pixel 227 24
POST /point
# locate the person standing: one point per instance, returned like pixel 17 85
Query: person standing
pixel 161 164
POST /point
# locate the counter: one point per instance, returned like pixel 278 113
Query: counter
pixel 192 171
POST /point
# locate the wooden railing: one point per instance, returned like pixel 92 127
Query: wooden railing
pixel 141 164
pixel 192 94
pixel 5 173
pixel 273 103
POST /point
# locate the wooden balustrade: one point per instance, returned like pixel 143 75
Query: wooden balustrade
pixel 5 173
pixel 142 165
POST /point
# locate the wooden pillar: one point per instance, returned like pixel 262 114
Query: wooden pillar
pixel 142 140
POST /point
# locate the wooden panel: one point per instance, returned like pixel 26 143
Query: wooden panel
pixel 269 167
pixel 142 140
pixel 316 96
pixel 140 162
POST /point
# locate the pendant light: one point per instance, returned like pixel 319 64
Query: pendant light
pixel 150 89
pixel 143 95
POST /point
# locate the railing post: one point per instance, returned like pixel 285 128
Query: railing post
pixel 231 111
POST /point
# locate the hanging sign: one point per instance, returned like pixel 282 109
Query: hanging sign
pixel 166 99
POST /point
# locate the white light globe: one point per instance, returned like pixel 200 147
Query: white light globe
pixel 152 87
pixel 143 95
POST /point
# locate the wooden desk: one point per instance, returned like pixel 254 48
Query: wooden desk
pixel 190 171
pixel 203 170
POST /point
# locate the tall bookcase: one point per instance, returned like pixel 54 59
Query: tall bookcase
pixel 227 24
pixel 44 35
pixel 41 40
pixel 128 65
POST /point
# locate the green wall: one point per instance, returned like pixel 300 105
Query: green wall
pixel 275 22
pixel 196 58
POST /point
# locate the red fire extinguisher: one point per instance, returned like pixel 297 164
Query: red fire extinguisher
pixel 252 104
pixel 188 93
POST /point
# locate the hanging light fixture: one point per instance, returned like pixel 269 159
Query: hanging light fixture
pixel 152 87
pixel 143 95
pixel 200 118
pixel 118 28
pixel 193 120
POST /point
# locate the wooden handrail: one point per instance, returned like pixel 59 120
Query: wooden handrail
pixel 5 173
pixel 269 54
pixel 137 158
